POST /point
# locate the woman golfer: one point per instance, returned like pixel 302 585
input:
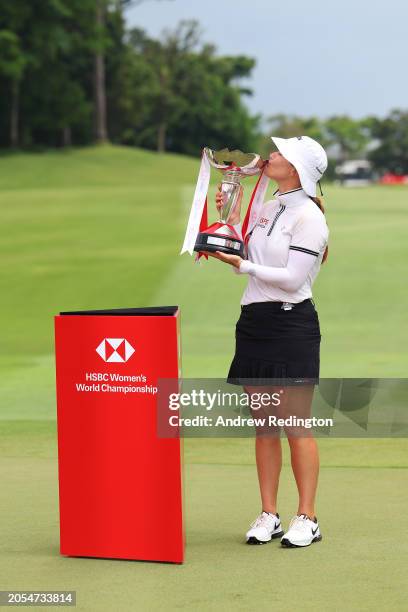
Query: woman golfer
pixel 278 333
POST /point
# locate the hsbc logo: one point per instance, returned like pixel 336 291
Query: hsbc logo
pixel 262 222
pixel 115 350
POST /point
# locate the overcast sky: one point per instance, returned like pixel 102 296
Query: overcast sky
pixel 317 57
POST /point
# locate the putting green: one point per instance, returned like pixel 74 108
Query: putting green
pixel 358 563
pixel 103 227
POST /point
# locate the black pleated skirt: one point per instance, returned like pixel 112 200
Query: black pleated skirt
pixel 276 346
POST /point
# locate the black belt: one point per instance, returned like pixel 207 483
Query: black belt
pixel 276 305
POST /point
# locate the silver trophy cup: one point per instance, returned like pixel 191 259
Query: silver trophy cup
pixel 234 165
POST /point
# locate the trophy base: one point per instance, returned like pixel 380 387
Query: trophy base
pixel 215 242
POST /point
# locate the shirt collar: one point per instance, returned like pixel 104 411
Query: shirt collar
pixel 295 197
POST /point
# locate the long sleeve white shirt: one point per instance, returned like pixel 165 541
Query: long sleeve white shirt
pixel 285 250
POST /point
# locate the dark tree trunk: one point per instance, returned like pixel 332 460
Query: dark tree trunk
pixel 161 138
pixel 14 112
pixel 99 81
pixel 66 136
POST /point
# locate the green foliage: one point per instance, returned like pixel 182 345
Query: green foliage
pixel 53 38
pixel 174 93
pixel 383 141
pixel 288 126
pixel 178 94
pixel 12 60
pixel 391 155
pixel 350 135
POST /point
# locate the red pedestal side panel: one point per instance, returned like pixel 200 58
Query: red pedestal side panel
pixel 120 486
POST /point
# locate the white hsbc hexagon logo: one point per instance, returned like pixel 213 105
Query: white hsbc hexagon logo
pixel 115 350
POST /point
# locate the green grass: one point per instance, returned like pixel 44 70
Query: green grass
pixel 102 228
pixel 353 571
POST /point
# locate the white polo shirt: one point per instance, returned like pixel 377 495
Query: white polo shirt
pixel 292 221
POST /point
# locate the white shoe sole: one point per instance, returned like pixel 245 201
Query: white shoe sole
pixel 254 540
pixel 288 544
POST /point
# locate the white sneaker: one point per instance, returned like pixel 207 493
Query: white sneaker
pixel 302 532
pixel 264 528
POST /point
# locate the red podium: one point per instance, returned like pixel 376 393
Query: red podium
pixel 120 486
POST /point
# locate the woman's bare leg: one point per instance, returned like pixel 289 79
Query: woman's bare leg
pixel 268 451
pixel 303 448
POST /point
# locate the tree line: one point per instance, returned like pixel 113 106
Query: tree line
pixel 383 141
pixel 72 73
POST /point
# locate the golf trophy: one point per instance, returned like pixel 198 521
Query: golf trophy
pixel 221 236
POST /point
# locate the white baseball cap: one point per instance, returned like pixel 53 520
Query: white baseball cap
pixel 308 157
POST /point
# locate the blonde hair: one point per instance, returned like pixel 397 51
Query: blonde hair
pixel 319 202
